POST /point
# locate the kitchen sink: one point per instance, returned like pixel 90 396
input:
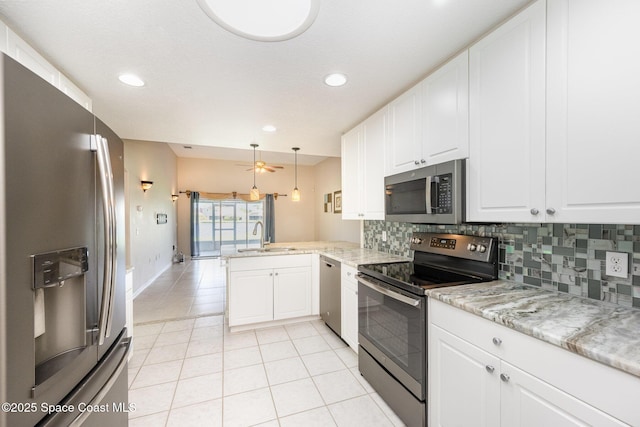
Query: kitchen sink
pixel 260 250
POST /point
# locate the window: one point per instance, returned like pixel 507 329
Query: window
pixel 227 225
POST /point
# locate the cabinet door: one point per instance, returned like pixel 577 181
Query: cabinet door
pixel 351 174
pixel 592 111
pixel 291 292
pixel 445 112
pixel 464 389
pixel 506 167
pixel 349 308
pixel 372 147
pixel 528 401
pixel 404 146
pixel 250 297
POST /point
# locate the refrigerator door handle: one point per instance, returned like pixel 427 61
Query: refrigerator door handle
pixel 108 207
pixel 97 399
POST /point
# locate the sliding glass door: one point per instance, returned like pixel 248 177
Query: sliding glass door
pixel 227 225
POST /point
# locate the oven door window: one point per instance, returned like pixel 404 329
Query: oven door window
pixel 394 327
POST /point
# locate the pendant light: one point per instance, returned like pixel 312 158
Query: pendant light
pixel 295 196
pixel 254 194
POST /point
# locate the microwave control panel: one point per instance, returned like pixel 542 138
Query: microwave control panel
pixel 445 194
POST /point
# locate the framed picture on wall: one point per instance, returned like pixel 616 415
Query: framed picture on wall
pixel 328 198
pixel 337 199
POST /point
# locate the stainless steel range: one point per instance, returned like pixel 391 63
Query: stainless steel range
pixel 392 313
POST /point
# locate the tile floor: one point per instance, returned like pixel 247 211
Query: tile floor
pixel 191 289
pixel 193 372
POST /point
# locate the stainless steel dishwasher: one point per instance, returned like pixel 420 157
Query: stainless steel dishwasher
pixel 330 310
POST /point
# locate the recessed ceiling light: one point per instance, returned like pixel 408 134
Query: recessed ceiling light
pixel 335 79
pixel 263 20
pixel 131 80
pixel 269 128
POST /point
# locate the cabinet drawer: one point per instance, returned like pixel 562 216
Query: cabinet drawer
pixel 269 261
pixel 601 386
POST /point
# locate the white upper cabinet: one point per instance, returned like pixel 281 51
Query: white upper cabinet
pixel 352 177
pixel 363 169
pixel 19 50
pixel 22 52
pixel 593 111
pixel 445 112
pixel 404 144
pixel 429 123
pixel 375 129
pixel 506 166
pixel 554 126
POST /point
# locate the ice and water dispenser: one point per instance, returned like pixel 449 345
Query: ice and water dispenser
pixel 60 309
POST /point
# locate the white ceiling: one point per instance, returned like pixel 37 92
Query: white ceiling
pixel 208 87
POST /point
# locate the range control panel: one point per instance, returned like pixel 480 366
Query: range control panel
pixel 456 245
pixel 437 242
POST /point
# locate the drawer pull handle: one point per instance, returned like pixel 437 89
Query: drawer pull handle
pixel 504 377
pixel 490 369
pixel 497 341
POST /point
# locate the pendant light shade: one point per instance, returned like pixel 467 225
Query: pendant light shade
pixel 295 195
pixel 254 193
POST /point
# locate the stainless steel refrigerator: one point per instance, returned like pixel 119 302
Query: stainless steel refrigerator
pixel 63 344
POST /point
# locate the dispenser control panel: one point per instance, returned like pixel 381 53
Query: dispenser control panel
pixel 53 268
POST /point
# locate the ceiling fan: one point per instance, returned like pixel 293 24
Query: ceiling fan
pixel 261 166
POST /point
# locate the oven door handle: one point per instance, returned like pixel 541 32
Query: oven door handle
pixel 396 296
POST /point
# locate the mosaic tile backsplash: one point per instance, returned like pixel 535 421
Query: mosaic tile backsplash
pixel 563 257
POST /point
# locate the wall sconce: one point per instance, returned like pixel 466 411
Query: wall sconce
pixel 146 185
pixel 174 197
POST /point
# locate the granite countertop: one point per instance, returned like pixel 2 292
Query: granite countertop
pixel 346 252
pixel 601 331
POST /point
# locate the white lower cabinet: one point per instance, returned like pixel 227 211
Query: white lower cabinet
pixel 349 307
pixel 250 297
pixel 484 374
pixel 291 292
pixel 257 294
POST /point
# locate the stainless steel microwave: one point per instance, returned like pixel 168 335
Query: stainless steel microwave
pixel 432 195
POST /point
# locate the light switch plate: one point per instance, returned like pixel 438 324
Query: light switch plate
pixel 617 264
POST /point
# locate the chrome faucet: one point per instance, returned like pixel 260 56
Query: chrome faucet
pixel 255 231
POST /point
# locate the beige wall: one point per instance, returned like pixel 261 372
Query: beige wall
pixel 149 245
pixel 295 221
pixel 331 226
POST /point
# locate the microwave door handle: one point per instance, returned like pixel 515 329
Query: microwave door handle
pixel 431 189
pixel 396 296
pixel 435 192
pixel 427 189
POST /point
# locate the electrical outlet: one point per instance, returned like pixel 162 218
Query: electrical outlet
pixel 617 264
